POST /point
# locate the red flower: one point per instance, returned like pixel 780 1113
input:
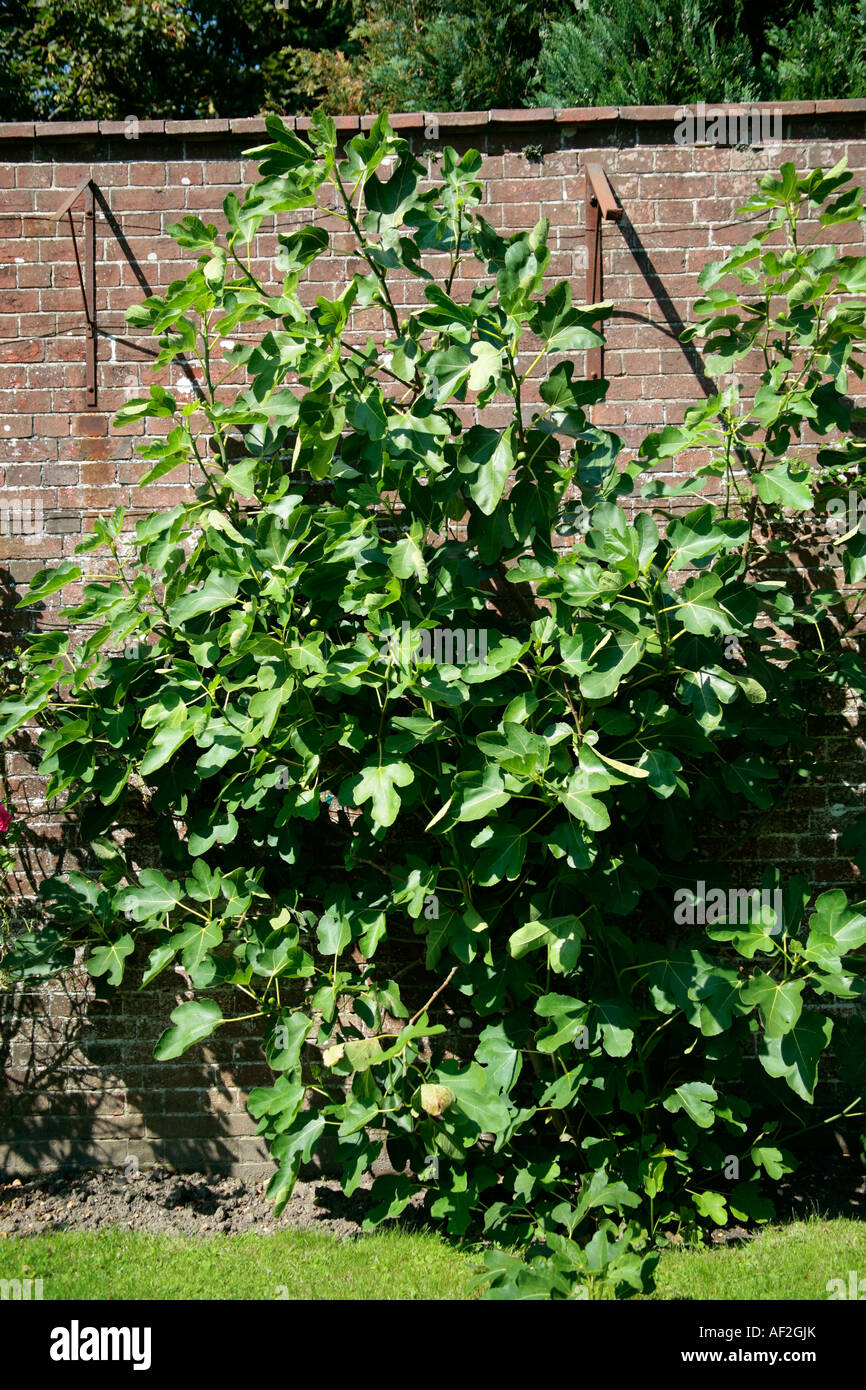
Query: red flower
pixel 5 820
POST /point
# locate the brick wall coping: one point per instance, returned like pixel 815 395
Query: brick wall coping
pixel 446 120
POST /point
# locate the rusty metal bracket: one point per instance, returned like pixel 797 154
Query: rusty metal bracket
pixel 87 275
pixel 601 206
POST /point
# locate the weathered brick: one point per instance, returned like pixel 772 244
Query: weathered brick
pixel 586 115
pixel 211 127
pixel 132 133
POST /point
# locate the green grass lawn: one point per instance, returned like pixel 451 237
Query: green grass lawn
pixel 794 1261
pixel 791 1262
pixel 288 1264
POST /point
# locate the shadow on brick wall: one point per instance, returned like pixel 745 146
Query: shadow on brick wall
pixel 83 1089
pixel 148 290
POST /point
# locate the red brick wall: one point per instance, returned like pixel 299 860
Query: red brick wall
pixel 103 1098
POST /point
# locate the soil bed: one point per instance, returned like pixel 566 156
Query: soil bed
pixel 159 1200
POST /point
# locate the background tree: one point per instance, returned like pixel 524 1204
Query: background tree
pixel 642 51
pixel 69 59
pixel 448 56
pixel 818 51
pixel 452 55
